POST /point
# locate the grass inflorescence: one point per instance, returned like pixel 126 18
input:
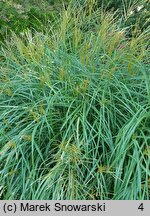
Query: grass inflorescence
pixel 75 110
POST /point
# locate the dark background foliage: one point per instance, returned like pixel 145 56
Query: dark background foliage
pixel 139 19
pixel 20 15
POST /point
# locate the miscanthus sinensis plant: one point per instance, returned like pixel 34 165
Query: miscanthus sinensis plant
pixel 75 111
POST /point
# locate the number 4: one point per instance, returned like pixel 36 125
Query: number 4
pixel 141 207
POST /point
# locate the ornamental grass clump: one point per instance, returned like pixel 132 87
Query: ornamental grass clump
pixel 75 111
